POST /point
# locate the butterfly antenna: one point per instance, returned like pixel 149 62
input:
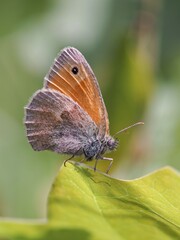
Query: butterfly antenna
pixel 127 128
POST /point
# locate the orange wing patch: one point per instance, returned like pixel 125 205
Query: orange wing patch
pixel 80 85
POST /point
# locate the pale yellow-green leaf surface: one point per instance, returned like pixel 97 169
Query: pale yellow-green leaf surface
pixel 84 204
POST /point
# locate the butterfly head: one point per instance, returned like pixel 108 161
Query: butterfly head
pixel 111 143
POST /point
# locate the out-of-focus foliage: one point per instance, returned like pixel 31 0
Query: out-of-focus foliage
pixel 133 48
pixel 87 205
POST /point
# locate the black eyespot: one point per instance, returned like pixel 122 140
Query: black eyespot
pixel 75 70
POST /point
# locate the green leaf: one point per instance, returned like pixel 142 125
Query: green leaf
pixel 84 204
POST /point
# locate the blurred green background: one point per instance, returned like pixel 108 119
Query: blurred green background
pixel 133 47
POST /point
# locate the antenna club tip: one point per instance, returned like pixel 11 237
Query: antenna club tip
pixel 140 123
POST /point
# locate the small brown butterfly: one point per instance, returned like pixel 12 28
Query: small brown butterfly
pixel 68 114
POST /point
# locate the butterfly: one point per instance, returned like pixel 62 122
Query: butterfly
pixel 68 114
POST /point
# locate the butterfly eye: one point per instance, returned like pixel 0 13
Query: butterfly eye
pixel 75 70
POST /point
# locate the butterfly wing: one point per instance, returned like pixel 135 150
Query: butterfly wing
pixel 55 122
pixel 71 75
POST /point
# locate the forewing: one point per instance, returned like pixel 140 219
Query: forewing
pixel 55 122
pixel 82 87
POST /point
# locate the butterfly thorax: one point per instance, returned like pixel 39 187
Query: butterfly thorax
pixel 95 148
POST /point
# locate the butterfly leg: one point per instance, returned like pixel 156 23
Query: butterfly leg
pixel 111 162
pixel 68 160
pixel 95 165
pixel 104 158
